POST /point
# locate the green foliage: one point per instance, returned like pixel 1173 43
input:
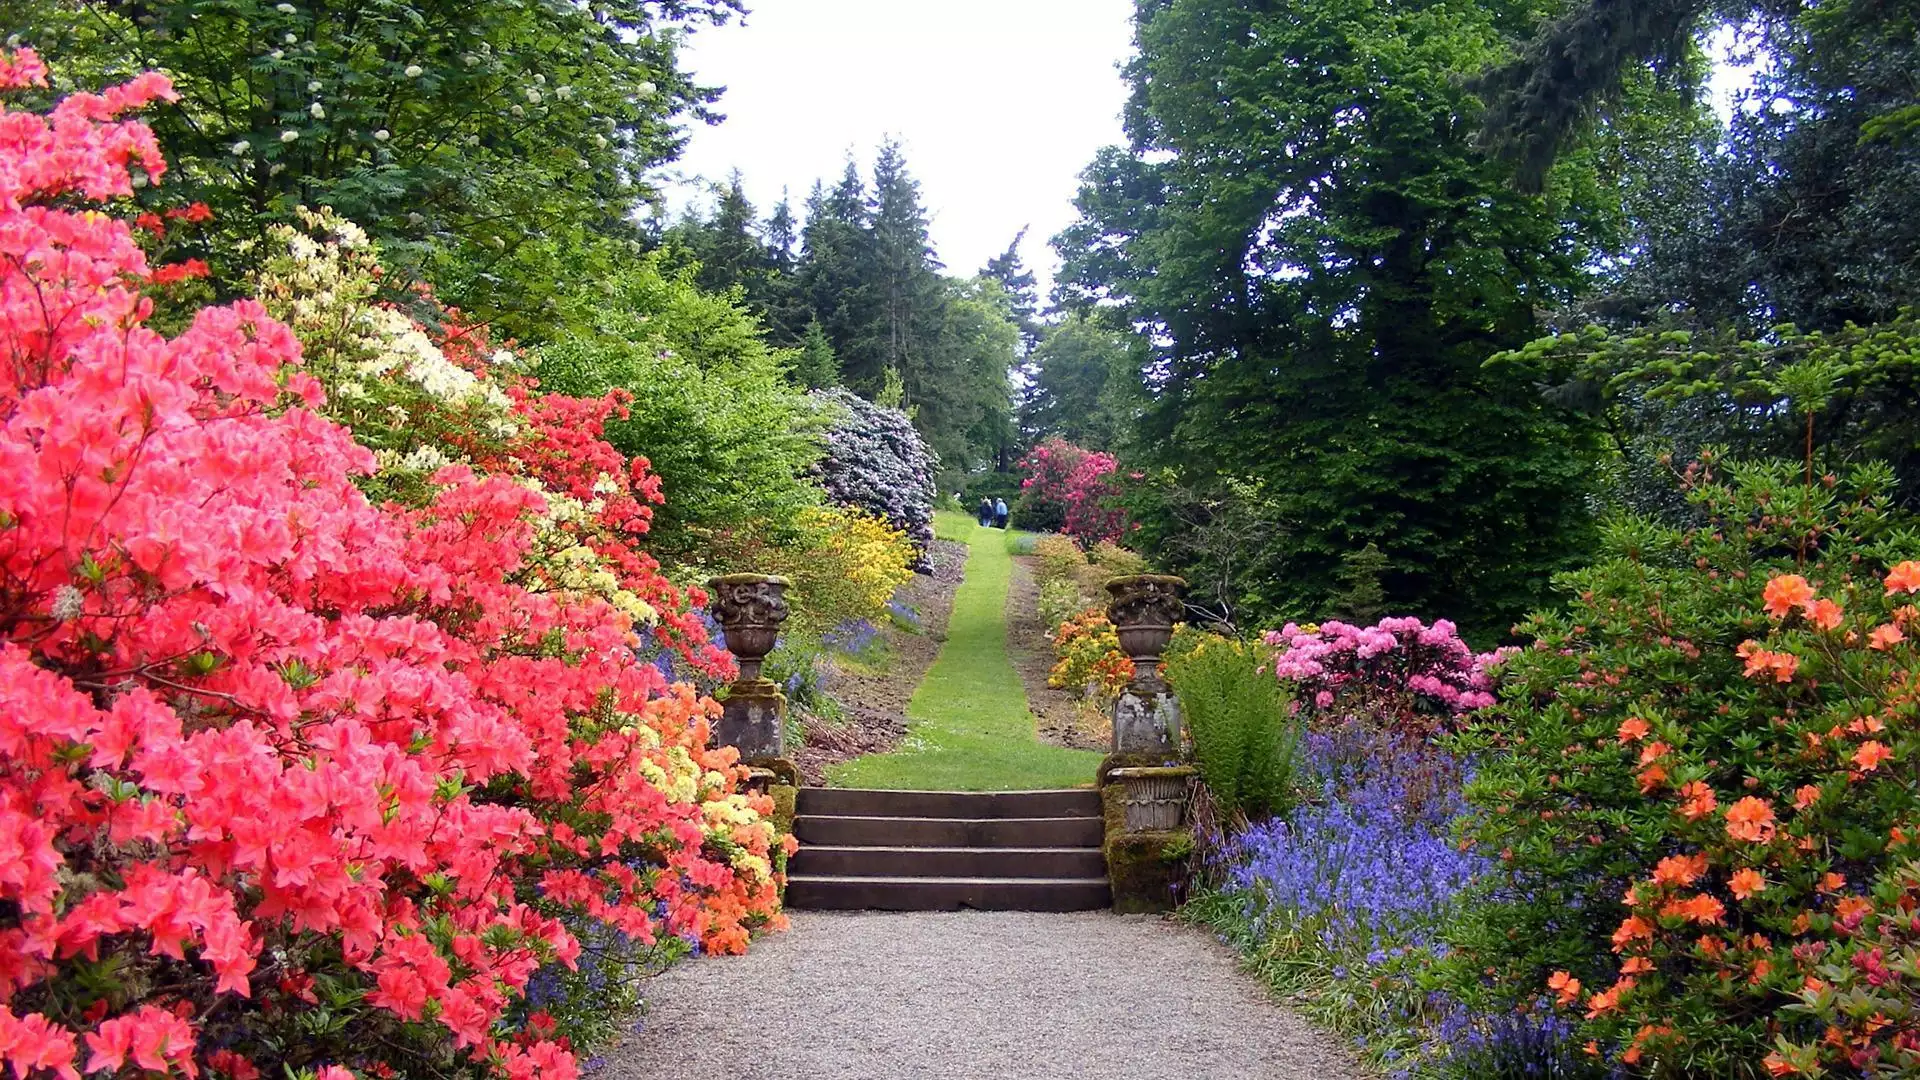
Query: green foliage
pixel 864 302
pixel 1245 738
pixel 1691 706
pixel 1360 601
pixel 1852 395
pixel 711 409
pixel 486 145
pixel 1060 600
pixel 1085 383
pixel 1325 262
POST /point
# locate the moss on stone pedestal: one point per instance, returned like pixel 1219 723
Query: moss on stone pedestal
pixel 785 796
pixel 1144 868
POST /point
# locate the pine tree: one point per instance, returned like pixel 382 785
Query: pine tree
pixel 1023 294
pixel 1362 600
pixel 816 368
pixel 905 279
pixel 835 275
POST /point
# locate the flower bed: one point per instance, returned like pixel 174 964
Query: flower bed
pixel 291 778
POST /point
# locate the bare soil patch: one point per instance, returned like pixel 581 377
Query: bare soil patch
pixel 873 703
pixel 1061 716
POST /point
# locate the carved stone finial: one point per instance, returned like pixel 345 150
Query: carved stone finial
pixel 750 609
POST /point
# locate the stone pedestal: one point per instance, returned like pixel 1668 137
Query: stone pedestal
pixel 1148 840
pixel 754 719
pixel 1147 723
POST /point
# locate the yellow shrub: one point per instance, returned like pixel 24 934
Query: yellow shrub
pixel 844 565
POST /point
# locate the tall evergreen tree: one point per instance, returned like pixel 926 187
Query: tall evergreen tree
pixel 906 282
pixel 836 275
pixel 1023 294
pixel 1327 263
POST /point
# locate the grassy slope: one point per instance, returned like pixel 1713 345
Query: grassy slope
pixel 971 728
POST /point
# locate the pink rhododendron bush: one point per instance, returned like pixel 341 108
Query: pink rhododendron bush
pixel 316 750
pixel 1400 673
pixel 1071 490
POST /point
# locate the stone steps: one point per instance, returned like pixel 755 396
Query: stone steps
pixel 943 850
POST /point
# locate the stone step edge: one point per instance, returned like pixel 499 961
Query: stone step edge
pixel 868 879
pixel 981 850
pixel 894 817
pixel 944 791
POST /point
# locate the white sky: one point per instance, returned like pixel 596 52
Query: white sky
pixel 998 103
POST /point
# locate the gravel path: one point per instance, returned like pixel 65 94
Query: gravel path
pixel 973 996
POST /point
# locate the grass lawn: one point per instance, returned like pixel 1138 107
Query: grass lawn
pixel 970 729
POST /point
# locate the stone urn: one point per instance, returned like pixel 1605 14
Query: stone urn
pixel 1143 609
pixel 1153 799
pixel 750 609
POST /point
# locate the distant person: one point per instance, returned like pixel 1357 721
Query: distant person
pixel 985 513
pixel 999 513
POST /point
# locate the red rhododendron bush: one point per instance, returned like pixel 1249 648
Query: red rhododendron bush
pixel 292 776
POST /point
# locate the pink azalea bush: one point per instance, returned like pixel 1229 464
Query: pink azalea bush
pixel 1071 489
pixel 1407 675
pixel 292 781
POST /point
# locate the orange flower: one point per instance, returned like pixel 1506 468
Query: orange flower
pixel 1851 910
pixel 1700 800
pixel 1566 986
pixel 1636 965
pixel 1606 1001
pixel 1786 592
pixel 1652 777
pixel 1885 637
pixel 1871 754
pixel 1780 665
pixel 1746 882
pixel 1699 908
pixel 1806 795
pixel 1750 819
pixel 1779 1066
pixel 1832 882
pixel 1653 752
pixel 1904 577
pixel 1679 869
pixel 1824 614
pixel 1633 927
pixel 1632 730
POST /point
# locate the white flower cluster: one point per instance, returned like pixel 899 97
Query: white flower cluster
pixel 563 564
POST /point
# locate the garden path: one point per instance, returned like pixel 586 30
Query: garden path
pixel 970 726
pixel 973 996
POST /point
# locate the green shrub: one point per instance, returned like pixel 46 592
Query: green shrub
pixel 1116 561
pixel 1060 600
pixel 1060 558
pixel 1700 783
pixel 1246 739
pixel 711 409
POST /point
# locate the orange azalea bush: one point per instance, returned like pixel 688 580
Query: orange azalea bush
pixel 1088 656
pixel 1700 788
pixel 304 771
